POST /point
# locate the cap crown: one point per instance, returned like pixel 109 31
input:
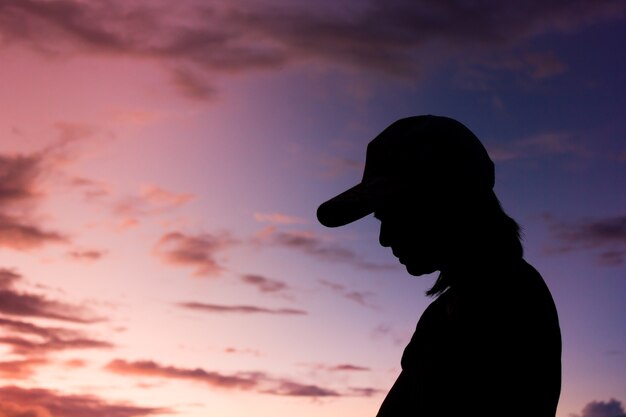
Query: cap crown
pixel 433 151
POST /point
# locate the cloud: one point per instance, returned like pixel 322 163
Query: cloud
pixel 240 309
pixel 197 40
pixel 233 350
pixel 86 255
pixel 311 244
pixel 20 369
pixel 348 367
pixel 18 235
pixel 192 85
pixel 151 200
pixel 20 187
pixel 250 381
pixel 344 367
pixel 611 408
pixel 518 66
pixel 17 303
pixel 243 381
pixel 264 284
pixel 194 251
pixel 16 410
pixel 24 346
pixel 40 402
pixel 336 167
pixel 359 297
pixel 541 144
pixel 22 327
pixel 278 218
pixel 294 389
pixel 389 332
pixel 92 190
pixel 606 237
pixel 18 178
pixel 34 343
pixel 365 391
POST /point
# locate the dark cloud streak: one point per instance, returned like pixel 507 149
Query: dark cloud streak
pixel 605 236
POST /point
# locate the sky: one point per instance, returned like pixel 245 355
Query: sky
pixel 161 164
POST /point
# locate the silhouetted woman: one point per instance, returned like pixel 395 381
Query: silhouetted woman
pixel 489 344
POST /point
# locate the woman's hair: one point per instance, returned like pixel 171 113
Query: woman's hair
pixel 484 232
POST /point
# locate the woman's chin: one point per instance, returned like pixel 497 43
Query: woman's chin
pixel 417 269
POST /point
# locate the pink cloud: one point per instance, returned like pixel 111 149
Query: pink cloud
pixel 243 381
pixel 8 409
pixel 250 381
pixel 35 343
pixel 348 367
pixel 278 218
pixel 264 284
pixel 194 251
pixel 20 369
pixel 41 402
pixel 152 200
pixel 240 309
pixel 24 346
pixel 17 303
pixel 92 190
pixel 294 389
pixel 86 255
pixel 22 179
pixel 343 367
pixel 16 234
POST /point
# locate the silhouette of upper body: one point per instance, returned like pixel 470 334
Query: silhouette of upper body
pixel 490 343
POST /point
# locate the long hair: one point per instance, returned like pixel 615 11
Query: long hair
pixel 484 230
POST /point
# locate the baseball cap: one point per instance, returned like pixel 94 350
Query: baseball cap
pixel 414 155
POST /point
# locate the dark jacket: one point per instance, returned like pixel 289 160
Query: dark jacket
pixel 491 347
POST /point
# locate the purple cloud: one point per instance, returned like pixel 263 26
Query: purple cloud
pixel 611 408
pixel 606 237
pixel 311 244
pixel 359 297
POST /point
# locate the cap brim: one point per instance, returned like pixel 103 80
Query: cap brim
pixel 353 204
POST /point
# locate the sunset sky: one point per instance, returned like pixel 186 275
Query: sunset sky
pixel 161 163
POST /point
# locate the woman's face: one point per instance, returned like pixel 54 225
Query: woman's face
pixel 414 233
